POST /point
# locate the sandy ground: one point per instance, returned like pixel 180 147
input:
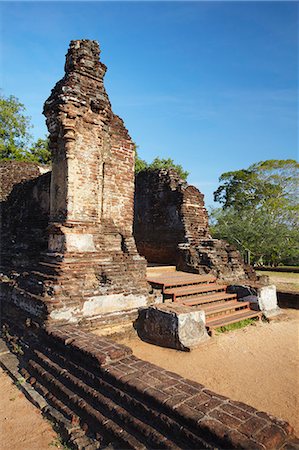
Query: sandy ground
pixel 258 365
pixel 22 426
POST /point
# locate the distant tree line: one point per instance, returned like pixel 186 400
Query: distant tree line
pixel 260 211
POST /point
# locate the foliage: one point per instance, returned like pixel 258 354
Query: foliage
pixel 140 164
pixel 159 163
pixel 40 151
pixel 14 129
pixel 260 211
pixel 15 139
pixel 272 183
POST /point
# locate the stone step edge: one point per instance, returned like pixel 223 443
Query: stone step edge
pixel 203 299
pixel 222 311
pixel 235 317
pixel 70 434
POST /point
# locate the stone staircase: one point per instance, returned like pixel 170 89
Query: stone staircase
pixel 221 308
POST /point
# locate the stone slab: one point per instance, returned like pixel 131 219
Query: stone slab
pixel 173 326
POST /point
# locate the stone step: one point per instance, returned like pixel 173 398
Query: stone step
pixel 206 299
pixel 156 269
pixel 179 279
pixel 212 323
pixel 187 291
pixel 224 308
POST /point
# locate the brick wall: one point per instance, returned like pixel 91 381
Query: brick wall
pixel 14 172
pixel 171 227
pixel 168 212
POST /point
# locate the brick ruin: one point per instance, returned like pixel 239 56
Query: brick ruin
pixel 68 251
pixel 171 227
pixel 88 264
pixel 68 256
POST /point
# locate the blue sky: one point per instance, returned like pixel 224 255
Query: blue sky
pixel 213 85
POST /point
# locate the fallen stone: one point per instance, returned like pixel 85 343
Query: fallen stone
pixel 172 326
pixel 263 298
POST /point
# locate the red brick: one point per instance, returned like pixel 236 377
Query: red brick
pixel 236 412
pixel 238 440
pixel 209 405
pixel 224 418
pixel 252 426
pixel 271 437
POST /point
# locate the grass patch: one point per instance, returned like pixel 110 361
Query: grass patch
pixel 283 280
pixel 236 325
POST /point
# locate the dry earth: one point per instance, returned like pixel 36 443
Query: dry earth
pixel 22 426
pixel 258 365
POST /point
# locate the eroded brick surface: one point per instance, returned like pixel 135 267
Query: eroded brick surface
pixel 171 227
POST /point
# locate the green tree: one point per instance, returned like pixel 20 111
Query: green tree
pixel 270 182
pixel 40 151
pixel 14 129
pixel 162 163
pixel 159 163
pixel 15 139
pixel 260 210
pixel 140 164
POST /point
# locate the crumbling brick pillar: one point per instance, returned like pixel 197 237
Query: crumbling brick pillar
pixel 91 195
pixel 92 184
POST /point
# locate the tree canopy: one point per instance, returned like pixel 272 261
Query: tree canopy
pixel 14 129
pixel 260 211
pixel 159 163
pixel 15 138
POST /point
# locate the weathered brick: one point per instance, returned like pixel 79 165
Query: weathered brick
pixel 236 412
pixel 175 400
pixel 271 437
pixel 209 405
pixel 252 426
pixel 198 399
pixel 188 416
pixel 224 418
pixel 238 440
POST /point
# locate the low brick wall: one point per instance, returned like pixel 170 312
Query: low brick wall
pixel 101 385
pixel 288 299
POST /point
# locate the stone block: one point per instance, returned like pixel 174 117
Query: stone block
pixel 172 326
pixel 261 298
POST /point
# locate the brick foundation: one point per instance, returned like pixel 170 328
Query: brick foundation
pixel 120 400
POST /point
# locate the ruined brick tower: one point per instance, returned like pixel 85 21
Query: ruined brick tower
pixel 92 191
pixel 88 267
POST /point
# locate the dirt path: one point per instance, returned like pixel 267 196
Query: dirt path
pixel 258 365
pixel 22 426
